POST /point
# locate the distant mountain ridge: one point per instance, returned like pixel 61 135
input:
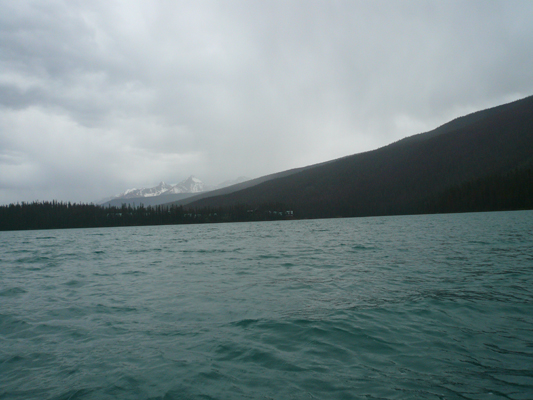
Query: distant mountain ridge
pixel 189 185
pixel 412 175
pixel 164 192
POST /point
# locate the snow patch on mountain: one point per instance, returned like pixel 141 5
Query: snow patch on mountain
pixel 189 185
pixel 145 192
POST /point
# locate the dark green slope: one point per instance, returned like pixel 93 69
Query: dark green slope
pixel 404 176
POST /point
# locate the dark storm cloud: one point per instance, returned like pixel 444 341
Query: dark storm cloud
pixel 99 96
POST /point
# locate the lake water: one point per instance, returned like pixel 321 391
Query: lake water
pixel 409 307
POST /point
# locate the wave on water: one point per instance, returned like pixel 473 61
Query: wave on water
pixel 432 307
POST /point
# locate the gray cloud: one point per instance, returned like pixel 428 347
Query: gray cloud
pixel 99 96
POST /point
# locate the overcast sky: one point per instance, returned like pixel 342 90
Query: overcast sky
pixel 100 96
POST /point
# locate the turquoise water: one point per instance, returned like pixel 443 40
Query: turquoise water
pixel 427 307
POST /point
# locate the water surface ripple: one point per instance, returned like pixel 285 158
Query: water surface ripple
pixel 428 307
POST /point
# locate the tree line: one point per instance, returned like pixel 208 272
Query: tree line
pixel 510 191
pixel 61 215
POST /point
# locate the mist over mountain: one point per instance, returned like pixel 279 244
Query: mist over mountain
pixel 465 158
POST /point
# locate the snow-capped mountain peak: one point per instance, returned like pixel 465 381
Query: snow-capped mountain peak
pixel 189 185
pixel 145 192
pixel 194 185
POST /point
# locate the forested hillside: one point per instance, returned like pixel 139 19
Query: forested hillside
pixel 414 175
